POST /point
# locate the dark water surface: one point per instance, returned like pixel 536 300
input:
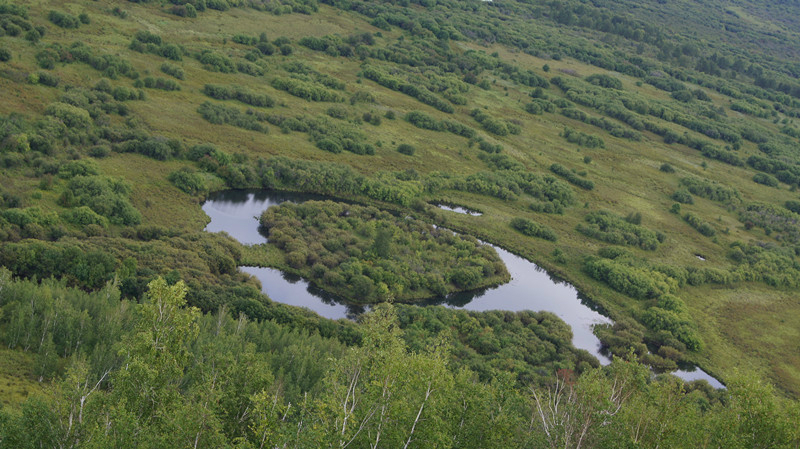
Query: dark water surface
pixel 531 288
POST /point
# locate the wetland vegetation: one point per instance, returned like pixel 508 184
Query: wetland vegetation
pixel 609 148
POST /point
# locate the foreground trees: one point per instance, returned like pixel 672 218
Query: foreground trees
pixel 179 379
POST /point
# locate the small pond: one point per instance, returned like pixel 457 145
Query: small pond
pixel 531 288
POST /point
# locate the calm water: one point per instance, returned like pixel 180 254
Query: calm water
pixel 459 209
pixel 531 288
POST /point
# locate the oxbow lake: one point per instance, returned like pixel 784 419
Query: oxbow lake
pixel 531 288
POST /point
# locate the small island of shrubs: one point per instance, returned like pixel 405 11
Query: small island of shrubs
pixel 366 255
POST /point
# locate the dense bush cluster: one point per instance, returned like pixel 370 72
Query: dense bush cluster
pixel 785 223
pixel 65 20
pixel 614 229
pixel 219 114
pixel 533 229
pixel 510 184
pixel 425 121
pixel 172 70
pixel 366 255
pixel 111 66
pixel 539 106
pixel 157 83
pixel 625 276
pixel 711 189
pixel 326 134
pixel 147 42
pixel 493 125
pixel 106 196
pixel 422 94
pixel 701 226
pixel 582 139
pixel 571 177
pixel 216 62
pixel 188 181
pixel 238 93
pixel 307 90
pixel 783 171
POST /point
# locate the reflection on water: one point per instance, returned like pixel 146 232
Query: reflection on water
pixel 698 374
pixel 459 209
pixel 530 288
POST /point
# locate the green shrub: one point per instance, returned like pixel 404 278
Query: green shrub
pixel 216 62
pixel 614 229
pixel 571 177
pixel 84 216
pixel 219 114
pixel 71 116
pixel 105 196
pixel 406 149
pixel 188 181
pixel 683 196
pixel 172 70
pixel 702 227
pixel 63 20
pixel 241 94
pixel 765 179
pixel 307 90
pixel 532 229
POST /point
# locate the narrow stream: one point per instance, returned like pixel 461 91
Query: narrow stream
pixel 531 288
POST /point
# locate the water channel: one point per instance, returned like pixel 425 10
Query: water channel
pixel 531 288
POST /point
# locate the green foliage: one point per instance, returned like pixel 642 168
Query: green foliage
pixel 64 20
pixel 189 181
pixel 157 83
pixel 510 184
pixel 493 125
pixel 793 206
pixel 666 168
pixel 533 229
pixel 683 196
pixel 421 94
pixel 582 139
pixel 612 228
pixel 406 149
pixel 219 114
pixel 604 81
pixel 571 177
pixel 539 106
pixel 147 42
pixel 765 179
pixel 105 196
pixel 624 276
pixel 425 121
pixel 307 90
pixel 772 218
pixel 711 190
pixel 84 216
pixel 216 62
pixel 369 256
pixel 71 116
pixel 788 173
pixel 335 180
pixel 172 70
pixel 86 269
pixel 701 226
pixel 238 93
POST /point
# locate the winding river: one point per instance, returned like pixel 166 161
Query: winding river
pixel 531 288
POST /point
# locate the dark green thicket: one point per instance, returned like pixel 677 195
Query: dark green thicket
pixel 367 256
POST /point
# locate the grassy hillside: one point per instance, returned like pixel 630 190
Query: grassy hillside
pixel 663 158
